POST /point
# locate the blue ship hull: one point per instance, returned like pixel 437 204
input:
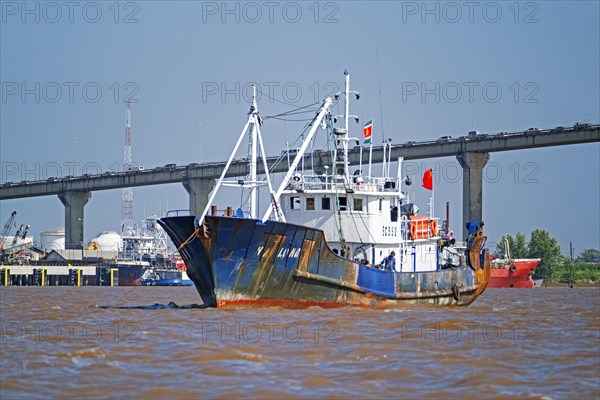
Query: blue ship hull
pixel 244 262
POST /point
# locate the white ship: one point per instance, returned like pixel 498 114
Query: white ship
pixel 148 243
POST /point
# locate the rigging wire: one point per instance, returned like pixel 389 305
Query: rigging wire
pixel 274 99
pixel 291 112
pixel 292 120
pixel 294 111
pixel 358 231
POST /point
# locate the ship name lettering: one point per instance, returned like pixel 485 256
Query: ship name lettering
pixel 287 252
pixel 282 252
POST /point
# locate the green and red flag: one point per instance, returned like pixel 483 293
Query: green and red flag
pixel 368 132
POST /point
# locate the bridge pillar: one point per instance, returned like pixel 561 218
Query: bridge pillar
pixel 74 203
pixel 199 189
pixel 472 164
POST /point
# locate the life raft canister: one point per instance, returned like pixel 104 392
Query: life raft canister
pixel 419 227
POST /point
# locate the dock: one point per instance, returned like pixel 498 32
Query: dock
pixel 58 275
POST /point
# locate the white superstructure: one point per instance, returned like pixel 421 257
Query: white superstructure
pixel 364 217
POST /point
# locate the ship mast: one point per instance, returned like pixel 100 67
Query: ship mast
pixel 255 142
pixel 342 134
pixel 346 115
pixel 254 121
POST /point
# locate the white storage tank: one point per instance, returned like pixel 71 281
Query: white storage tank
pixel 108 241
pixel 53 239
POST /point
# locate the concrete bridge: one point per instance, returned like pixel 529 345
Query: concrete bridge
pixel 199 179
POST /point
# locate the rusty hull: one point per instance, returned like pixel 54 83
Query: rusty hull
pixel 237 262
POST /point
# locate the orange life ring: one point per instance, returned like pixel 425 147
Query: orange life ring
pixel 433 227
pixel 413 231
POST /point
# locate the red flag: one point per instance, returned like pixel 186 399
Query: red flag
pixel 428 179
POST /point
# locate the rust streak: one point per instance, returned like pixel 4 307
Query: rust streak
pixel 267 260
pixel 305 253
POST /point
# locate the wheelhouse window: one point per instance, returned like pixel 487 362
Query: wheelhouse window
pixel 343 203
pixel 325 203
pixel 310 203
pixel 358 204
pixel 394 214
pixel 294 203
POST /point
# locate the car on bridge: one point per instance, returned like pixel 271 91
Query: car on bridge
pixel 581 125
pixel 170 166
pixel 444 139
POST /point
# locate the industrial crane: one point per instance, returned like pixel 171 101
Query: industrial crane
pixel 6 229
pixel 24 235
pixel 20 231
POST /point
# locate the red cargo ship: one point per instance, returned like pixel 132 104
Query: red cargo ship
pixel 506 273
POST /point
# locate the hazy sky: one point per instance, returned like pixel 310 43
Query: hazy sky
pixel 443 68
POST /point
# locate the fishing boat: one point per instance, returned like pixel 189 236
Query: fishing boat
pixel 328 237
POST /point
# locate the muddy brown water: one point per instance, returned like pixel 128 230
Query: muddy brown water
pixel 59 342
